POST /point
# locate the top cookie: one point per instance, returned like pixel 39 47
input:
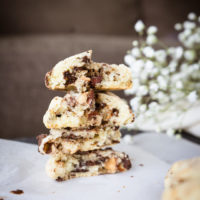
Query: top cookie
pixel 80 73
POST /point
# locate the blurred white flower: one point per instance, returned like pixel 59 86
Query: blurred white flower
pixel 135 103
pixel 178 53
pixel 179 84
pixel 170 132
pixel 172 66
pixel 151 40
pixel 152 30
pixel 153 106
pixel 178 26
pixel 192 16
pixel 190 55
pixel 128 59
pixel 160 56
pixel 149 65
pixel 189 25
pixel 162 82
pixel 164 77
pixel 154 87
pixel 135 43
pixel 136 52
pixel 192 97
pixel 148 52
pixel 143 108
pixel 143 90
pixel 139 26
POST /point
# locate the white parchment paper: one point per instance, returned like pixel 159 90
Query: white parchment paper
pixel 22 167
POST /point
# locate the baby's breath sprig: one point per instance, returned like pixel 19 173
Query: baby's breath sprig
pixel 164 76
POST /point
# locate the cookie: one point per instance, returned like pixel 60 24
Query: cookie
pixel 183 180
pixel 105 109
pixel 80 73
pixel 91 163
pixel 71 141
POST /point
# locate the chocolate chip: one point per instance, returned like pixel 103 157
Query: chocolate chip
pixel 126 163
pixel 95 80
pixel 80 170
pixel 68 128
pixel 104 122
pixel 59 179
pixel 72 137
pixel 40 138
pixel 79 69
pixel 92 114
pixel 116 128
pixel 69 77
pixel 115 112
pixel 59 115
pixel 100 106
pixel 92 163
pixel 86 59
pixel 17 191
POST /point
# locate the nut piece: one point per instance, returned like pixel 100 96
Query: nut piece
pixel 111 164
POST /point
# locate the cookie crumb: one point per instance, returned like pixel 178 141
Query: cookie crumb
pixel 118 190
pixel 141 165
pixel 1 198
pixel 124 186
pixel 17 191
pixel 131 176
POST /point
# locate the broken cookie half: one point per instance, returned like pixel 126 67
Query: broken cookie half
pixel 80 73
pixel 69 141
pixel 74 111
pixel 91 163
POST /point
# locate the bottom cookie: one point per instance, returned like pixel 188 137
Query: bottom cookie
pixel 91 163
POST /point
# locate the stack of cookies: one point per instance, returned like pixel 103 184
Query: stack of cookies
pixel 86 119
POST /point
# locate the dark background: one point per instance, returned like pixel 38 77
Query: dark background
pixel 36 34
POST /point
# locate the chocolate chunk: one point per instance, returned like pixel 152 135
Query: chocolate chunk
pixel 72 137
pixel 68 128
pixel 126 163
pixel 86 59
pixel 59 179
pixel 115 112
pixel 92 114
pixel 17 191
pixel 40 138
pixel 92 163
pixel 59 115
pixel 100 106
pixel 69 77
pixel 91 127
pixel 104 122
pixel 79 69
pixel 95 80
pixel 116 128
pixel 115 141
pixel 80 170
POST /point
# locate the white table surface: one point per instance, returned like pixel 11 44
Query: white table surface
pixel 22 167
